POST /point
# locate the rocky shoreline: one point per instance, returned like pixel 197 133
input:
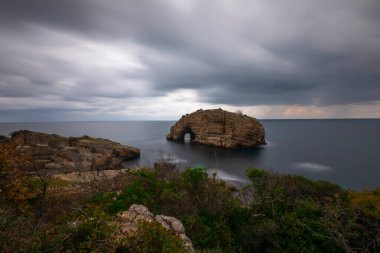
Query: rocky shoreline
pixel 72 154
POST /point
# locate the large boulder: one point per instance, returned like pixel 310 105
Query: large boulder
pixel 219 128
pixel 63 155
pixel 128 223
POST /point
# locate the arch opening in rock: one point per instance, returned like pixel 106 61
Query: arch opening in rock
pixel 187 135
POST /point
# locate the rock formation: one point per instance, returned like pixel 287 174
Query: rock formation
pixel 71 154
pixel 129 220
pixel 219 128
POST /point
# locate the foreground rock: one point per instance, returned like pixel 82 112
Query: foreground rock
pixel 219 128
pixel 71 154
pixel 129 220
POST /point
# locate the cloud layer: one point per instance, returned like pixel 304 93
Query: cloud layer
pixel 99 60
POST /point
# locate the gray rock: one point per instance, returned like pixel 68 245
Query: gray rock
pixel 129 220
pixel 170 223
pixel 175 225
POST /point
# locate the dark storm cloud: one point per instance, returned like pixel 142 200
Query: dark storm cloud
pixel 57 13
pixel 231 52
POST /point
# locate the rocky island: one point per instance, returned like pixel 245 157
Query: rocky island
pixel 219 128
pixel 64 155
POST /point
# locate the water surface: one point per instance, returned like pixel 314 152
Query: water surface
pixel 342 151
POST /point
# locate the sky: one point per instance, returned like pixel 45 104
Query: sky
pixel 77 60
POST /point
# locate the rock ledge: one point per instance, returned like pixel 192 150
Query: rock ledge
pixel 64 155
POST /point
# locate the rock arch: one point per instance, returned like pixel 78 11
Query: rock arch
pixel 219 128
pixel 187 130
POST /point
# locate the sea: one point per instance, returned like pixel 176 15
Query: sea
pixel 342 151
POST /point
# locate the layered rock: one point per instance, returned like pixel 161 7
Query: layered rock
pixel 64 155
pixel 129 221
pixel 219 128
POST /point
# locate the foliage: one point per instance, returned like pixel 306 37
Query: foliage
pixel 15 186
pixel 17 232
pixel 274 213
pixel 367 201
pixel 151 237
pixel 305 215
pixel 86 230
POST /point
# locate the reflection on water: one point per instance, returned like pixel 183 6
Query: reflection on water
pixel 187 138
pixel 314 167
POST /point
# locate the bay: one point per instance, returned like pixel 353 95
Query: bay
pixel 344 151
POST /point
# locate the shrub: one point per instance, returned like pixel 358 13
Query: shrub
pixel 88 230
pixel 18 233
pixel 15 186
pixel 151 237
pixel 367 202
pixel 274 213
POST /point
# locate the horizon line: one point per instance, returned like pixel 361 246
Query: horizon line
pixel 156 120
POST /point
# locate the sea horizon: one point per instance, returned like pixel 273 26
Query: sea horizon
pixel 163 120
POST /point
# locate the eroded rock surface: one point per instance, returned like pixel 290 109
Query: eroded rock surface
pixel 129 220
pixel 219 128
pixel 64 155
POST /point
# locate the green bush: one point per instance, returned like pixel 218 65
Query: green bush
pixel 274 213
pixel 140 191
pixel 151 237
pixel 88 230
pixel 209 231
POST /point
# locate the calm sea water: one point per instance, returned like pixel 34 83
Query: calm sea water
pixel 342 151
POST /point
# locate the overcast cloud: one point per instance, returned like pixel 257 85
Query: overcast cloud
pixel 125 60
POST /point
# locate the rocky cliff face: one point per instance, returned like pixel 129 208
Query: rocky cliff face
pixel 71 154
pixel 219 128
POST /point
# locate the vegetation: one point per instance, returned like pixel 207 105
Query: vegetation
pixel 274 213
